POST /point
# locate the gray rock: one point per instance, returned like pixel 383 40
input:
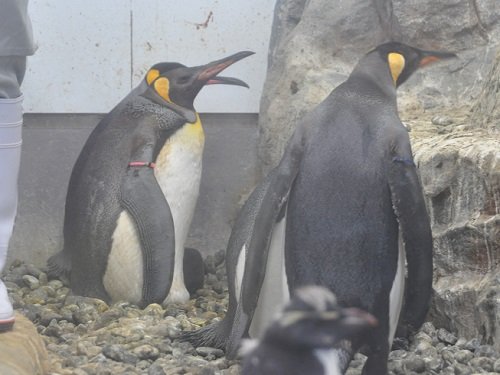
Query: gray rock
pixel 442 120
pixel 486 112
pixel 473 344
pixel 31 281
pixel 56 284
pixel 53 329
pixel 36 297
pixel 496 366
pixel 448 371
pixel 47 315
pixel 486 351
pixel 233 370
pixel 448 356
pixel 464 356
pixel 209 353
pixel 482 364
pixel 461 369
pixel 146 352
pixel 396 367
pixel 119 354
pixel 434 364
pixel 156 369
pixel 398 354
pixel 465 243
pixel 446 337
pixel 414 363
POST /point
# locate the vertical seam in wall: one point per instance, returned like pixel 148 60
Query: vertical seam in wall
pixel 131 45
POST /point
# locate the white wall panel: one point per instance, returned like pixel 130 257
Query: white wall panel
pixel 92 52
pixel 194 32
pixel 83 61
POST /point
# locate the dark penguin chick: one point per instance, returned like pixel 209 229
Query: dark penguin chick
pixel 133 191
pixel 332 213
pixel 299 341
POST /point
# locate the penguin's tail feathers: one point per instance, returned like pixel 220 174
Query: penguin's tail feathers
pixel 212 335
pixel 59 265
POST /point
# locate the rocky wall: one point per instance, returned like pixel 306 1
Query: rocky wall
pixel 460 173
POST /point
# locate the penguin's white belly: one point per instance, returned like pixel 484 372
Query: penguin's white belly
pixel 274 293
pixel 178 172
pixel 397 293
pixel 329 359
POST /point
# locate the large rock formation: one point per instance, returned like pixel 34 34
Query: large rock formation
pixel 460 172
pixel 486 111
pixel 314 46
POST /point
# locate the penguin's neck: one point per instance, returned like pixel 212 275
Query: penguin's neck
pixel 375 74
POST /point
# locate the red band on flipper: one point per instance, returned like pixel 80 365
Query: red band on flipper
pixel 141 164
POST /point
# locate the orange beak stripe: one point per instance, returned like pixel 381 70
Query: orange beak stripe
pixel 428 60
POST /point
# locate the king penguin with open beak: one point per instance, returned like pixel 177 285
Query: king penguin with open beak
pixel 332 214
pixel 134 187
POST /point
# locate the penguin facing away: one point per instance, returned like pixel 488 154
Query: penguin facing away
pixel 134 187
pixel 332 212
pixel 298 341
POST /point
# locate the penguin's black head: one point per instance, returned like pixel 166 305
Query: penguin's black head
pixel 313 319
pixel 176 86
pixel 404 60
pixel 161 68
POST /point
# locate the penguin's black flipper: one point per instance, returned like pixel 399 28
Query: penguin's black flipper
pixel 141 196
pixel 271 204
pixel 409 206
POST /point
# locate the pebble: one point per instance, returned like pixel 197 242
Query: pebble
pixel 446 337
pixel 86 336
pixel 210 353
pixel 31 281
pixel 442 120
pixel 464 356
pixel 496 366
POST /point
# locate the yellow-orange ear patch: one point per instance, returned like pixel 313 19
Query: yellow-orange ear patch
pixel 396 64
pixel 162 86
pixel 152 75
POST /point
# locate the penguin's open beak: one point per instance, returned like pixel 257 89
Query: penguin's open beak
pixel 208 73
pixel 429 57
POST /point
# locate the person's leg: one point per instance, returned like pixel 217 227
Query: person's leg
pixel 12 70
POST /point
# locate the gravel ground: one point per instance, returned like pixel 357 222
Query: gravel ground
pixel 85 336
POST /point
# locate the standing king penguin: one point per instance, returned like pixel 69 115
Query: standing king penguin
pixel 333 212
pixel 134 187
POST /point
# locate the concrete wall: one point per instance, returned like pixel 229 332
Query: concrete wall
pixel 52 142
pixel 93 52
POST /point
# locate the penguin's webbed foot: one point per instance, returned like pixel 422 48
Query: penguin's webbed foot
pixel 209 336
pixel 59 265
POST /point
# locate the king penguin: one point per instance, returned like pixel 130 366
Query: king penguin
pixel 134 187
pixel 311 324
pixel 334 212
